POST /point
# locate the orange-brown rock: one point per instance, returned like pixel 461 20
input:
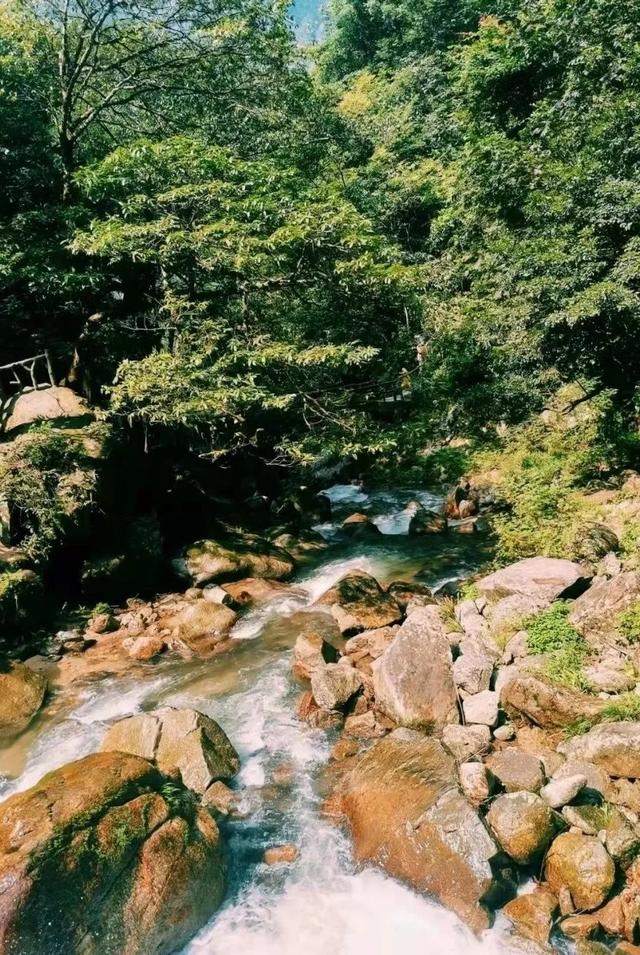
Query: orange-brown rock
pixel 582 865
pixel 96 853
pixel 547 704
pixel 407 814
pixel 358 602
pixel 532 914
pixel 281 855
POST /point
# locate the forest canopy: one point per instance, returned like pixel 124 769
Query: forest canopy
pixel 230 238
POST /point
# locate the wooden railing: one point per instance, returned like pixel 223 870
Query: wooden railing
pixel 28 374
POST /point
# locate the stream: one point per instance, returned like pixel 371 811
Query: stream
pixel 322 903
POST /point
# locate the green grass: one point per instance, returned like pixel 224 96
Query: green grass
pixel 628 623
pixel 550 634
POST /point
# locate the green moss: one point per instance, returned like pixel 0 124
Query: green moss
pixel 20 597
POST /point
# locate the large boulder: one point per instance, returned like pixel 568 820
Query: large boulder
pixel 424 521
pixel 596 612
pixel 179 740
pixel 547 704
pixel 523 824
pixel 407 814
pixel 358 602
pixel 517 770
pixel 198 625
pixel 22 693
pixel 582 865
pixel 545 578
pixel 209 561
pixel 413 679
pixel 102 858
pixel 614 747
pixel 46 404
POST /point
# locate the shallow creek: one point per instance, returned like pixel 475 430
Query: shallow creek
pixel 322 904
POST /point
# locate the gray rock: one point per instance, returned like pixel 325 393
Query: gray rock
pixel 465 742
pixel 505 733
pixel 333 685
pixel 614 747
pixel 559 792
pixel 510 613
pixel 481 708
pixel 609 679
pixel 595 613
pixel 517 770
pixel 472 671
pixel 546 704
pixel 413 679
pixel 598 782
pixel 546 578
pixel 470 618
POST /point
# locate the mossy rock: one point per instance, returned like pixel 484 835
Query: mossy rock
pixel 21 599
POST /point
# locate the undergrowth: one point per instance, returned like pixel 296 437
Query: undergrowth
pixel 550 634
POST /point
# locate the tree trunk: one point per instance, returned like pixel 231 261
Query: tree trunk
pixel 68 166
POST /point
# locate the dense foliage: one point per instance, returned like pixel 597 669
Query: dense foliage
pixel 242 243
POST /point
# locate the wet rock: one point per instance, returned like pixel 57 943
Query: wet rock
pixel 198 625
pixel 481 708
pixel 614 747
pixel 582 865
pixel 413 679
pixel 253 591
pixel 359 526
pixel 406 591
pixel 22 692
pixel 532 914
pixel 546 578
pixel 559 792
pixel 407 814
pixel 219 800
pixel 281 855
pixel 424 521
pixel 517 770
pixel 595 613
pixel 97 850
pixel 179 740
pixel 547 704
pixel 358 602
pixel 315 645
pixel 333 685
pixel 523 825
pixel 579 926
pixel 477 783
pixel 210 561
pixel 466 742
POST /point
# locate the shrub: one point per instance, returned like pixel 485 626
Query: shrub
pixel 628 623
pixel 550 634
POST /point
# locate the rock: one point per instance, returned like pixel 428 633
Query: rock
pixel 470 617
pixel 481 708
pixel 466 742
pixel 144 648
pixel 309 712
pixel 614 747
pixel 505 733
pixel 253 591
pixel 580 926
pixel 583 865
pixel 472 671
pixel 598 782
pixel 333 685
pixel 200 625
pixel 413 679
pixel 407 814
pixel 532 914
pixel 523 825
pixel 219 800
pixel 22 693
pixel 181 740
pixel 405 591
pixel 623 792
pixel 21 599
pixel 45 404
pixel 596 612
pixel 99 855
pixel 559 792
pixel 360 526
pixel 546 578
pixel 547 704
pixel 607 679
pixel 281 855
pixel 216 594
pixel 210 561
pixel 424 521
pixel 611 916
pixel 367 726
pixel 510 613
pixel 358 602
pixel 517 770
pixel 593 541
pixel 371 643
pixel 476 782
pixel 103 623
pixel 316 643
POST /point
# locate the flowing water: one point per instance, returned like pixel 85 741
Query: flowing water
pixel 322 903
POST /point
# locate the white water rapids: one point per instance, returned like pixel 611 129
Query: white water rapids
pixel 321 904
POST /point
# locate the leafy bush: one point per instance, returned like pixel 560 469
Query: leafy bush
pixel 628 623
